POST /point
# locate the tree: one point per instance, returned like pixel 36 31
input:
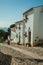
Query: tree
pixel 5 36
pixel 1 33
pixel 13 25
pixel 9 31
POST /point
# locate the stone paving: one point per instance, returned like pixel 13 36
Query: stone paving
pixel 37 50
pixel 18 58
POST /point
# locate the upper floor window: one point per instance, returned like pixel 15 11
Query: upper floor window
pixel 26 16
pixel 25 34
pixel 19 27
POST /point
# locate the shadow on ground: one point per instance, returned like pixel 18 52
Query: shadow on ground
pixel 29 59
pixel 40 45
pixel 5 59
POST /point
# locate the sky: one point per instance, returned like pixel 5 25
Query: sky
pixel 12 10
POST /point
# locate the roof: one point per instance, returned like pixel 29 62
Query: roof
pixel 28 11
pixel 19 21
pixel 32 9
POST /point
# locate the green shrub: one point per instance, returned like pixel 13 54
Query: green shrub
pixel 1 39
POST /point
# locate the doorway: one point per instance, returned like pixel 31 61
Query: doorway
pixel 29 36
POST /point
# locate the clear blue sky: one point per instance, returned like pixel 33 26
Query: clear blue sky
pixel 12 10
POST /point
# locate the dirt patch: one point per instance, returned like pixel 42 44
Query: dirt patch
pixel 13 57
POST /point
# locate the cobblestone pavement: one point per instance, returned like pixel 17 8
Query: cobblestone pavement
pixel 18 58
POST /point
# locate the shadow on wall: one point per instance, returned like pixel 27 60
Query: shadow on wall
pixel 5 59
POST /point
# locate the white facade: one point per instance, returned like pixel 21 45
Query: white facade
pixel 41 26
pixel 29 24
pixel 19 31
pixel 38 23
pixel 34 23
pixel 13 37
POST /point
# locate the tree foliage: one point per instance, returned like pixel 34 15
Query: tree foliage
pixel 9 31
pixel 13 25
pixel 5 35
pixel 1 33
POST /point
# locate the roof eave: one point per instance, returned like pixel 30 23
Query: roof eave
pixel 28 11
pixel 19 21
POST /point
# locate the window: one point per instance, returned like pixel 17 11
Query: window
pixel 25 34
pixel 19 27
pixel 26 17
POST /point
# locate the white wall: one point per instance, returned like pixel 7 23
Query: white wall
pixel 28 24
pixel 17 32
pixel 35 19
pixel 41 26
pixel 37 22
pixel 13 36
pixel 21 34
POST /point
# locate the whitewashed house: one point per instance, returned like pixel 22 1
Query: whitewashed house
pixel 30 29
pixel 20 31
pixel 33 19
